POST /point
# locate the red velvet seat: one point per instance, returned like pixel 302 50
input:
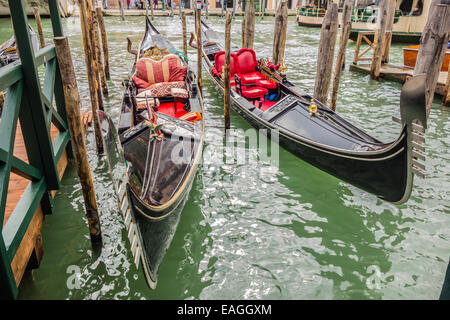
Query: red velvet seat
pixel 265 83
pixel 219 61
pixel 247 66
pixel 253 92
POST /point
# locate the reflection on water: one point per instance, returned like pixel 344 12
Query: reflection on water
pixel 261 231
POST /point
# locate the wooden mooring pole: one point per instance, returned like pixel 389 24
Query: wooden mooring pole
pixel 446 97
pixel 151 10
pixel 389 26
pixel 433 45
pixel 184 28
pixel 279 34
pixel 248 25
pixel 379 40
pixel 101 23
pixel 98 54
pixel 72 102
pixel 346 28
pixel 122 13
pixel 227 92
pixel 198 29
pixel 37 17
pixel 328 35
pixel 93 42
pixel 89 57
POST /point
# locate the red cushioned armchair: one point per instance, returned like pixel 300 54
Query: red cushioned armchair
pixel 250 91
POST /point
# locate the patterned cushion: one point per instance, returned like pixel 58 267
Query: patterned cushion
pixel 142 104
pixel 164 88
pixel 179 93
pixel 153 71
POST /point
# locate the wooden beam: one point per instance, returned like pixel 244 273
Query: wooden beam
pixel 346 28
pixel 248 31
pixel 379 40
pixel 37 17
pixel 72 100
pixel 389 26
pixel 101 23
pixel 198 28
pixel 279 38
pixel 227 90
pixel 433 45
pixel 328 35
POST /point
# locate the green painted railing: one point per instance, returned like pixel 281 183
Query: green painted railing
pixel 33 106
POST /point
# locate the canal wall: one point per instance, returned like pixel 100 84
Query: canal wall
pixel 66 7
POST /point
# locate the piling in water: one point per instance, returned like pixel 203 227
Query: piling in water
pixel 37 17
pixel 279 34
pixel 433 45
pixel 389 26
pixel 101 24
pixel 226 71
pixel 89 57
pixel 328 35
pixel 248 25
pixel 98 55
pixel 346 28
pixel 72 103
pixel 379 40
pixel 198 29
pixel 183 24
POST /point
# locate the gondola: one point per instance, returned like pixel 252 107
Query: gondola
pixel 153 154
pixel 8 50
pixel 264 97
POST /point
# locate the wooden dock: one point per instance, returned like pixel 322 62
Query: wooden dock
pixel 17 185
pixel 400 74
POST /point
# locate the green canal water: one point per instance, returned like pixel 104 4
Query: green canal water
pixel 265 231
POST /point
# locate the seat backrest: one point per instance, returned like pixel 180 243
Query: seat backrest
pixel 246 60
pixel 219 60
pixel 154 71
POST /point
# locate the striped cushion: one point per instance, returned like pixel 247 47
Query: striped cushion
pixel 153 71
pixel 191 116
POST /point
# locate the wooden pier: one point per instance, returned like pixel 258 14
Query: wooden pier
pixel 400 74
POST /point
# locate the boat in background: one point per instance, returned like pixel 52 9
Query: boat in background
pixel 266 99
pixel 8 50
pixel 310 16
pixel 409 19
pixel 410 56
pixel 154 153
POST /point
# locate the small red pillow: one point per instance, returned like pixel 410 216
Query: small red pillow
pixel 140 83
pixel 177 73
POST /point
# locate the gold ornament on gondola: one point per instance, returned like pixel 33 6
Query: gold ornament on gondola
pixel 312 107
pixel 283 67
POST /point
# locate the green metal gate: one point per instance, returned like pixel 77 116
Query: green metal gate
pixel 31 105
